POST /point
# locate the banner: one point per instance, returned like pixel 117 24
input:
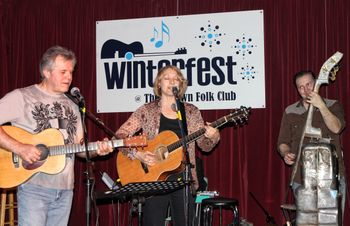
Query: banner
pixel 221 55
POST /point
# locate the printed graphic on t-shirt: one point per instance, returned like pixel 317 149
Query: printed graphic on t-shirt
pixel 58 116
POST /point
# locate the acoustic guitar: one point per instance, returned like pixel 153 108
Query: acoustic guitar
pixel 14 171
pixel 168 150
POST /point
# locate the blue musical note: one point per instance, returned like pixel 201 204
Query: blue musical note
pixel 166 30
pixel 155 34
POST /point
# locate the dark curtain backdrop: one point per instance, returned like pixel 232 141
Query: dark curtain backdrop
pixel 298 35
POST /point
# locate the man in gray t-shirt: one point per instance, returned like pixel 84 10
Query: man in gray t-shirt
pixel 44 199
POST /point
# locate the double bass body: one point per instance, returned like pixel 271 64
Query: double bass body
pixel 317 200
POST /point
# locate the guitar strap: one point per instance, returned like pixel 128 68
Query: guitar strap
pixel 184 120
pixel 183 114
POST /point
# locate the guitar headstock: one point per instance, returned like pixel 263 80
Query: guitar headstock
pixel 329 69
pixel 135 141
pixel 181 51
pixel 239 116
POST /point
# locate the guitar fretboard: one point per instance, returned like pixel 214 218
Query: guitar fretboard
pixel 76 148
pixel 199 133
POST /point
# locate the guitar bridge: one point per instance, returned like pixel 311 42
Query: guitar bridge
pixel 144 167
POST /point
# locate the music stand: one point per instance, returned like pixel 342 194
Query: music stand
pixel 137 192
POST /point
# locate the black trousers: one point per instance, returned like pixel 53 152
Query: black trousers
pixel 155 209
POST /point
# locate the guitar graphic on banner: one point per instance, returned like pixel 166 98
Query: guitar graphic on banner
pixel 114 48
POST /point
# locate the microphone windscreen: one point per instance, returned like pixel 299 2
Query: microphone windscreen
pixel 74 90
pixel 175 90
pixel 174 107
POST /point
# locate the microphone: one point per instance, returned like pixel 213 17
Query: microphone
pixel 174 107
pixel 75 92
pixel 175 90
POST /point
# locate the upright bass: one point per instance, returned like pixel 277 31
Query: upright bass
pixel 317 199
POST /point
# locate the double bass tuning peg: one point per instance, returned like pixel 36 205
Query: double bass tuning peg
pixel 333 73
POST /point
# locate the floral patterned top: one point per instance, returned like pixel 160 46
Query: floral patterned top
pixel 147 119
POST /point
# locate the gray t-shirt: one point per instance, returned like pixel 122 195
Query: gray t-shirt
pixel 35 110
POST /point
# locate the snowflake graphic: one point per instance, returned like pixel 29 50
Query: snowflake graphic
pixel 244 46
pixel 248 72
pixel 210 35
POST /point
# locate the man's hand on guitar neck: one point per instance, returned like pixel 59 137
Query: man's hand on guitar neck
pixel 332 122
pixel 315 99
pixel 103 147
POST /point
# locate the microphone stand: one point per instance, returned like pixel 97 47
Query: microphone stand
pixel 187 157
pixel 269 219
pixel 93 118
pixel 89 172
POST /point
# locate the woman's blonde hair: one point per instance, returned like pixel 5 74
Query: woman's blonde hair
pixel 182 85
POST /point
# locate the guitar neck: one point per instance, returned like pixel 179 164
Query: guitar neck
pixel 77 148
pixel 196 135
pixel 326 69
pixel 311 131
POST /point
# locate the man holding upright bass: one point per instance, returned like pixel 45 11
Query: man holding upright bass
pixel 328 115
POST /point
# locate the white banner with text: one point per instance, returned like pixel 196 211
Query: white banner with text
pixel 220 54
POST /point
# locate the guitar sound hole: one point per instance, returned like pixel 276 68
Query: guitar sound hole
pixel 43 156
pixel 44 151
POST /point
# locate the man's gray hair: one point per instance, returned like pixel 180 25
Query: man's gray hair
pixel 48 59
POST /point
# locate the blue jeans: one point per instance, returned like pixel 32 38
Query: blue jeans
pixel 39 206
